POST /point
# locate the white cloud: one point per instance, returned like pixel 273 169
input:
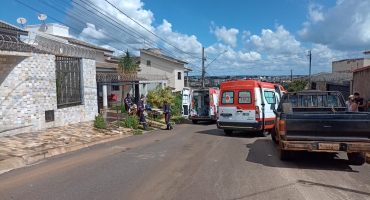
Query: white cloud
pixel 182 41
pixel 315 14
pixel 226 35
pixel 343 27
pixel 246 34
pixel 280 41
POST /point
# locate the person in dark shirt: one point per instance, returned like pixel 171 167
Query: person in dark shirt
pixel 360 102
pixel 128 102
pixel 167 114
pixel 140 112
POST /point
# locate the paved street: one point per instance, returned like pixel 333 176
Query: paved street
pixel 190 162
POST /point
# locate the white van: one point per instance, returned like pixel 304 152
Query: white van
pixel 248 105
pixel 200 104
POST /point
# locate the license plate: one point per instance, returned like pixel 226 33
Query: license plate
pixel 226 117
pixel 324 146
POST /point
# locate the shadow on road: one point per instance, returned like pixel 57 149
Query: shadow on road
pixel 236 134
pixel 265 152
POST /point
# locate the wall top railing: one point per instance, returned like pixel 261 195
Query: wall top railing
pixel 39 45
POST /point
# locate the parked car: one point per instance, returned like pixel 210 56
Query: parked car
pixel 317 121
pixel 248 105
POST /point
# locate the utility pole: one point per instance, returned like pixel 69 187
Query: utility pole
pixel 291 75
pixel 203 69
pixel 309 74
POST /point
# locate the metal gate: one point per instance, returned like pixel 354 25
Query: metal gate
pixel 344 89
pixel 68 81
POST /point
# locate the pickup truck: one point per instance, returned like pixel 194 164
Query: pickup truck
pixel 317 121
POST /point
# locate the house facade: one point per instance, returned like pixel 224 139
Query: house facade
pixel 154 63
pixel 361 83
pixel 345 66
pixel 42 88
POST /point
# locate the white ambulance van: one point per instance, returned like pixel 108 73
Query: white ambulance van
pixel 248 105
pixel 200 104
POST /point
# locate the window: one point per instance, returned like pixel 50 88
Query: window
pixel 270 97
pixel 115 88
pixel 178 75
pixel 185 99
pixel 227 97
pixel 68 81
pixel 148 63
pixel 244 97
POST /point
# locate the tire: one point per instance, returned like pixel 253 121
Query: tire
pixel 194 121
pixel 284 155
pixel 358 158
pixel 264 133
pixel 228 131
pixel 273 136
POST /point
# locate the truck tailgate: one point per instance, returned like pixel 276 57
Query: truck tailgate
pixel 328 127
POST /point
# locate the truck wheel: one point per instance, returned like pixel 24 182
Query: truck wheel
pixel 358 158
pixel 194 121
pixel 265 133
pixel 228 131
pixel 273 136
pixel 283 154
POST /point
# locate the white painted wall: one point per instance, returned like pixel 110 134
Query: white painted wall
pixel 160 66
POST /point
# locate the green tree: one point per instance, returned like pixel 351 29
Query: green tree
pixel 297 85
pixel 127 68
pixel 156 97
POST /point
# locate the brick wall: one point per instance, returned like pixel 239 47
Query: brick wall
pixel 28 89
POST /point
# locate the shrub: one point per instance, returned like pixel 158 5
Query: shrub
pixel 156 97
pixel 176 106
pixel 99 122
pixel 131 122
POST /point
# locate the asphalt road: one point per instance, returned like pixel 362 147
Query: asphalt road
pixel 190 162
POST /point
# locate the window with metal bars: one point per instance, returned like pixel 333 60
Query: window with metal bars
pixel 68 81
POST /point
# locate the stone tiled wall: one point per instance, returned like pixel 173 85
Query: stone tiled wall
pixel 28 89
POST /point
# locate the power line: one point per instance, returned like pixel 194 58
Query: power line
pixel 146 28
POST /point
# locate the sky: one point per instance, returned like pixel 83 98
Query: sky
pixel 240 37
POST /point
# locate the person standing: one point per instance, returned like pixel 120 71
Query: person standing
pixel 167 115
pixel 140 112
pixel 128 102
pixel 353 106
pixel 360 102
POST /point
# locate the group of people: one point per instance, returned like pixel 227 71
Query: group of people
pixel 356 103
pixel 141 109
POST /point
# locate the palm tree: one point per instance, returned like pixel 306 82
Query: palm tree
pixel 127 68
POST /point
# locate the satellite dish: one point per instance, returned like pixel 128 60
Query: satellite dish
pixel 21 20
pixel 42 17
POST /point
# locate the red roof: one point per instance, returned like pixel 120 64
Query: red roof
pixel 360 69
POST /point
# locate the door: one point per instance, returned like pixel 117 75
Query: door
pixel 213 102
pixel 186 102
pixel 245 112
pixel 227 109
pixel 270 97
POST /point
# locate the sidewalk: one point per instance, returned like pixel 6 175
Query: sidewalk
pixel 21 149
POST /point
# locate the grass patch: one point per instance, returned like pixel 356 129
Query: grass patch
pixel 149 128
pixel 138 132
pixel 177 119
pixel 121 108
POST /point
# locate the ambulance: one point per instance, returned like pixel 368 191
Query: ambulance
pixel 248 105
pixel 200 104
